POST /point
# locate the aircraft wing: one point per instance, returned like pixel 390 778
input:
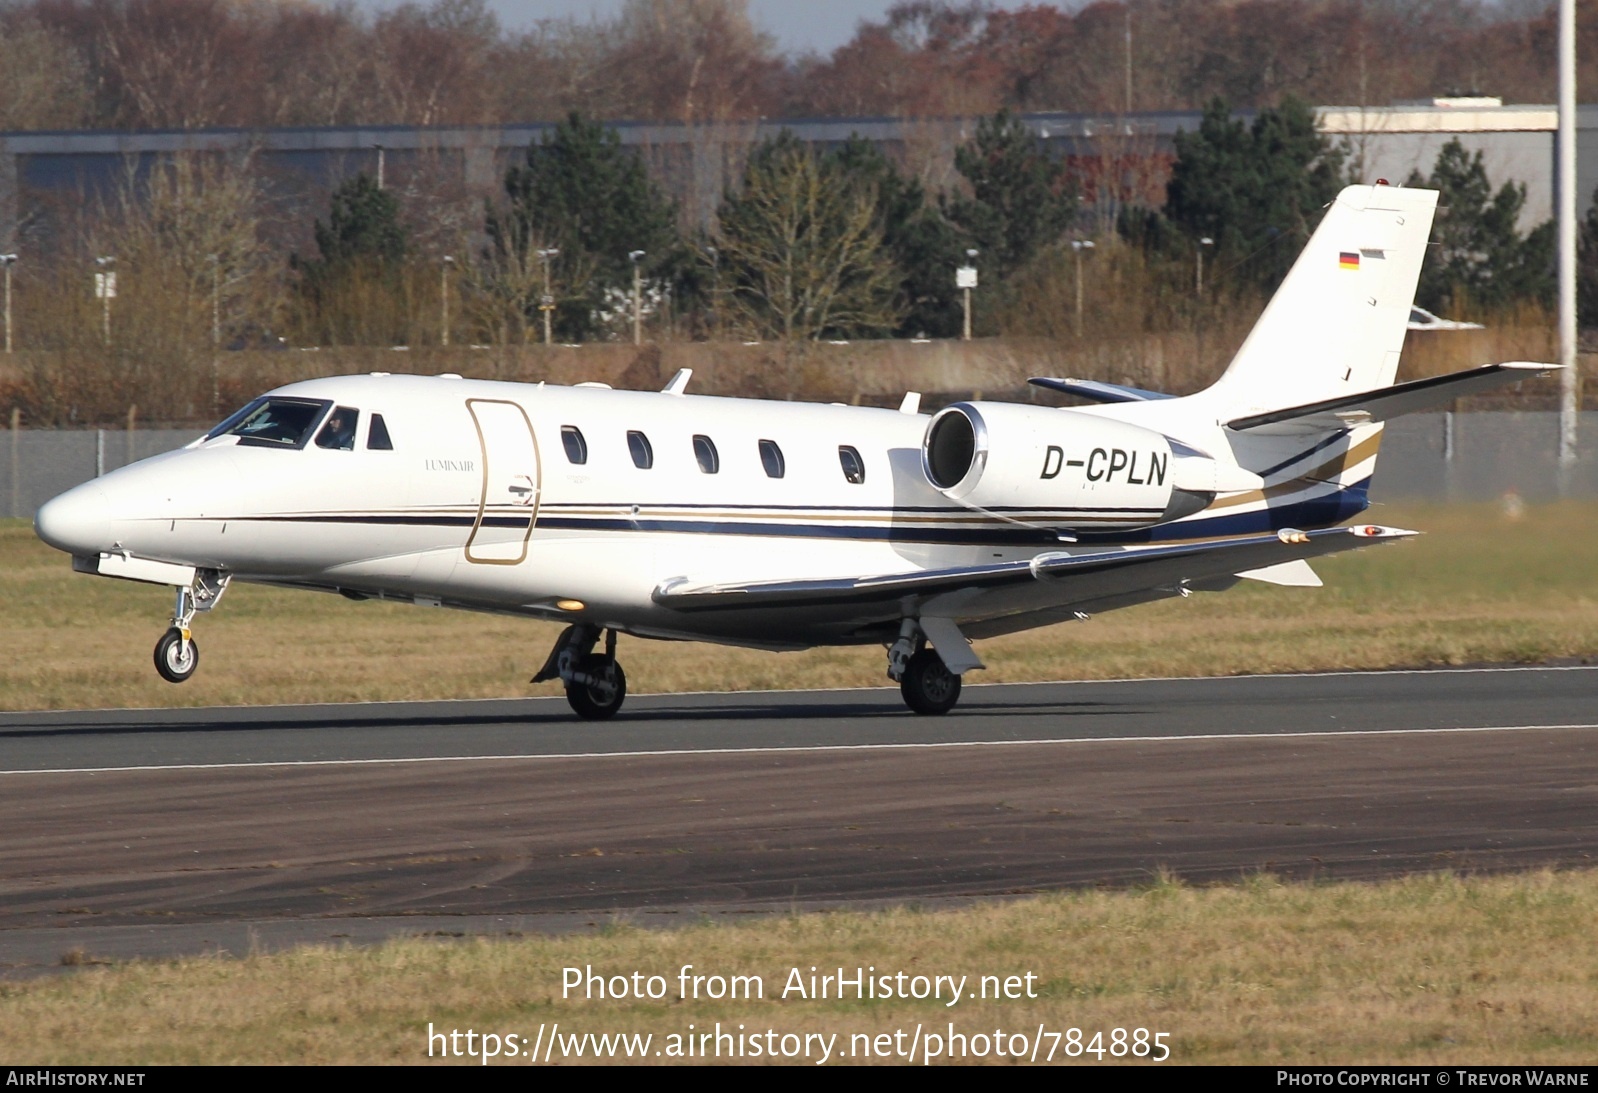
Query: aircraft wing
pixel 1055 577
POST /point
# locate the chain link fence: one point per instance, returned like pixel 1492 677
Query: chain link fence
pixel 1426 457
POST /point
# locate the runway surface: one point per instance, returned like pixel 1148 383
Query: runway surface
pixel 151 832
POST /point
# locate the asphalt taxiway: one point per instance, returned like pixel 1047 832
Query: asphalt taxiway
pixel 151 832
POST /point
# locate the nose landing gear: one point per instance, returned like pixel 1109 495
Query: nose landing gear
pixel 596 686
pixel 176 654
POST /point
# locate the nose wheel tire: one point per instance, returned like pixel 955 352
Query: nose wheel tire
pixel 928 687
pixel 603 693
pixel 175 658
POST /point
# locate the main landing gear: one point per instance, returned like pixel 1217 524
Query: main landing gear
pixel 927 680
pixel 595 684
pixel 177 655
pixel 927 686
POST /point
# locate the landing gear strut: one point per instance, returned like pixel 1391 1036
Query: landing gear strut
pixel 925 681
pixel 595 684
pixel 177 654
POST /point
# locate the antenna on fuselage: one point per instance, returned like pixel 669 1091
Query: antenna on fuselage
pixel 679 382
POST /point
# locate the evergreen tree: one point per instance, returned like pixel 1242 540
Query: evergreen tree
pixel 1256 190
pixel 1587 268
pixel 583 194
pixel 1481 261
pixel 352 289
pixel 1018 202
pixel 924 247
pixel 362 227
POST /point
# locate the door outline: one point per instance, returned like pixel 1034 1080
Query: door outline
pixel 482 497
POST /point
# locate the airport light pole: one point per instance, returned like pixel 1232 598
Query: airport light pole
pixel 965 279
pixel 216 329
pixel 443 299
pixel 638 297
pixel 1569 377
pixel 105 287
pixel 216 302
pixel 1077 247
pixel 8 260
pixel 380 157
pixel 1198 265
pixel 546 303
pixel 715 292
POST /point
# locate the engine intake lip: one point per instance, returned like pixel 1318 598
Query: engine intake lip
pixel 955 449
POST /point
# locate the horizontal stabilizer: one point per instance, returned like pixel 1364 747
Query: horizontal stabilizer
pixel 1072 576
pixel 1346 411
pixel 1095 391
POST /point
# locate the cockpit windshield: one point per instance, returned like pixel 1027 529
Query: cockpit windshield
pixel 273 422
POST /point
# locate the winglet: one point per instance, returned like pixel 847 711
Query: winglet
pixel 679 382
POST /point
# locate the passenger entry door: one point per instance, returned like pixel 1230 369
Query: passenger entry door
pixel 512 482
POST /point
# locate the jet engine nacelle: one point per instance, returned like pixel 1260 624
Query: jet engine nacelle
pixel 1063 470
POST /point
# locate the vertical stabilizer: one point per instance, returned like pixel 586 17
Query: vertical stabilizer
pixel 1336 325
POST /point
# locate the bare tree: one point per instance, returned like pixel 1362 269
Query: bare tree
pixel 694 60
pixel 432 65
pixel 803 249
pixel 46 83
pixel 191 270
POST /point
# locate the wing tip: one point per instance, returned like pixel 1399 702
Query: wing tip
pixel 1380 531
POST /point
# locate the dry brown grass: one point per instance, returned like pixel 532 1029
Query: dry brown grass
pixel 72 385
pixel 1478 588
pixel 1425 970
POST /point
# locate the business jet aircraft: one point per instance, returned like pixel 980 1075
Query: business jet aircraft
pixel 783 526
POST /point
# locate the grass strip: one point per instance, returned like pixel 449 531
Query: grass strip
pixel 1429 969
pixel 1486 584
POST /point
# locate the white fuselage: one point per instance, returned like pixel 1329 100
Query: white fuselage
pixel 531 499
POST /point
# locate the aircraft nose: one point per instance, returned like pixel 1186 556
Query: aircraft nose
pixel 77 522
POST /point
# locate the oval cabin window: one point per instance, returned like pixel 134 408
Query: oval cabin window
pixel 771 459
pixel 639 447
pixel 571 437
pixel 705 452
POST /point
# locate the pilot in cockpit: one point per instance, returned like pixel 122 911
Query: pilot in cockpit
pixel 339 432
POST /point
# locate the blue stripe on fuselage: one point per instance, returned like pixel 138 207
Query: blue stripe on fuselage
pixel 1325 510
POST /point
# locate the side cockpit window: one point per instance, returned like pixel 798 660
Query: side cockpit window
pixel 854 468
pixel 273 422
pixel 339 432
pixel 377 439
